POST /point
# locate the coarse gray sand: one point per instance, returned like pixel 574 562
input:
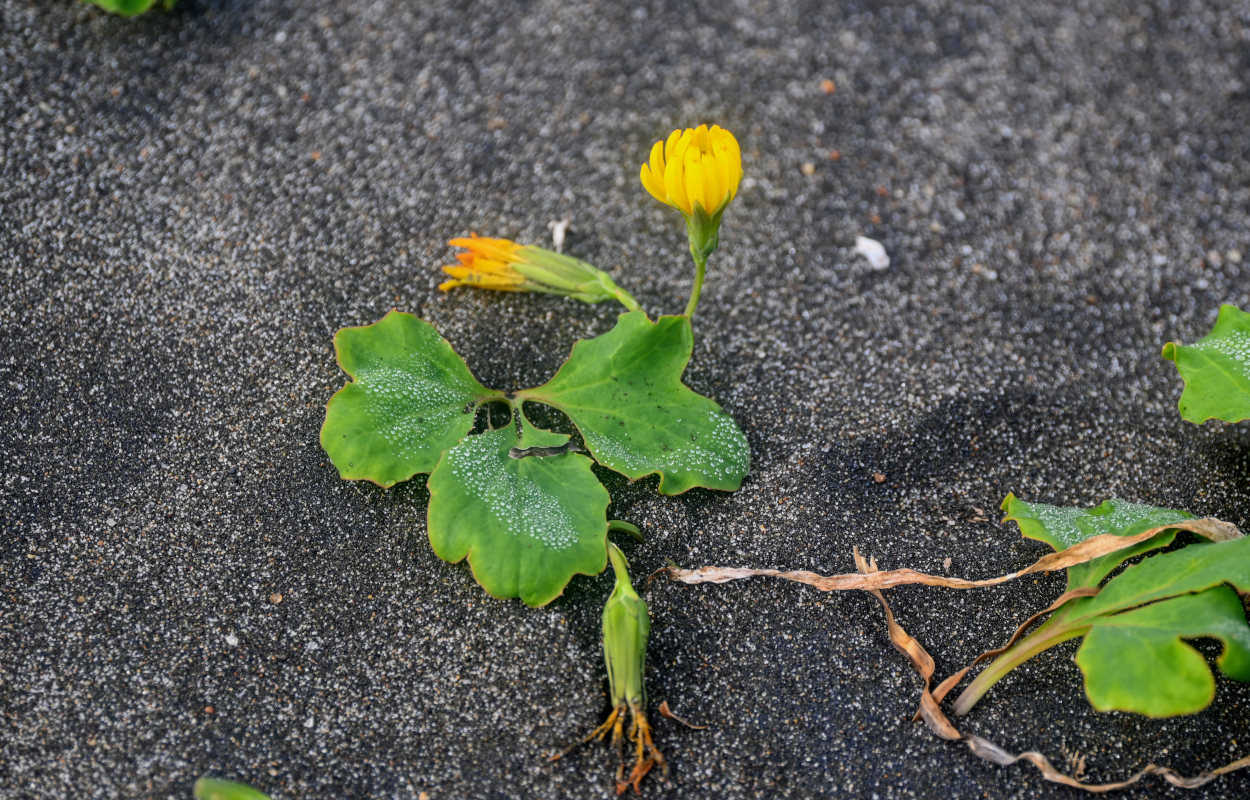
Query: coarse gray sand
pixel 192 203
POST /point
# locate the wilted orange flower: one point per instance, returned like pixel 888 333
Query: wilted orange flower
pixel 506 266
pixel 486 264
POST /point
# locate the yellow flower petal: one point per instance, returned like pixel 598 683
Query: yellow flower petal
pixel 657 160
pixel 713 185
pixel 671 144
pixel 692 167
pixel 653 184
pixel 498 249
pixel 675 186
pixel 700 138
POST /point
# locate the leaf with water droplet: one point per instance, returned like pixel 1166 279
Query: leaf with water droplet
pixel 1216 370
pixel 1063 527
pixel 624 393
pixel 528 524
pixel 410 398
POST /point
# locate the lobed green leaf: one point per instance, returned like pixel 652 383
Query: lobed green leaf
pixel 1062 528
pixel 624 393
pixel 527 525
pixel 1216 370
pixel 1135 661
pixel 410 398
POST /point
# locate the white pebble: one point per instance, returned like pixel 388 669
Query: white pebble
pixel 872 250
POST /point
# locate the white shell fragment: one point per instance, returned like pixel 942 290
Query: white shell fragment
pixel 558 231
pixel 872 250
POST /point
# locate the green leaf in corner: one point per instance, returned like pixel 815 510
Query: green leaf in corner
pixel 1136 661
pixel 129 8
pixel 1063 527
pixel 527 524
pixel 1132 656
pixel 1216 370
pixel 216 789
pixel 410 398
pixel 624 393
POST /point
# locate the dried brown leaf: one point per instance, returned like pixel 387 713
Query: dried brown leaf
pixel 665 711
pixel 871 579
pixel 931 712
pixel 1094 547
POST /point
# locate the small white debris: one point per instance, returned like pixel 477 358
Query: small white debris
pixel 872 250
pixel 232 640
pixel 308 723
pixel 558 230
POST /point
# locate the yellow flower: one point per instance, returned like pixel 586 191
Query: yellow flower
pixel 697 172
pixel 695 168
pixel 504 265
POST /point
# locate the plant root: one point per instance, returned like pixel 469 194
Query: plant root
pixel 646 755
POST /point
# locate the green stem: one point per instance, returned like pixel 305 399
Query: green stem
pixel 627 527
pixel 626 299
pixel 700 266
pixel 1040 641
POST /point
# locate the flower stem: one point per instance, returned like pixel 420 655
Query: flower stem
pixel 1028 647
pixel 700 266
pixel 626 299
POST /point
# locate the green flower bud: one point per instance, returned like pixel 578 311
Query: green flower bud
pixel 626 627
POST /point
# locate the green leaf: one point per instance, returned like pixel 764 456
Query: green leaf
pixel 1132 657
pixel 129 8
pixel 1063 527
pixel 624 393
pixel 1216 370
pixel 527 525
pixel 214 789
pixel 1191 569
pixel 1136 661
pixel 410 399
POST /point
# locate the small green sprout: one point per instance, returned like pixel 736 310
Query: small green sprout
pixel 215 789
pixel 129 8
pixel 626 628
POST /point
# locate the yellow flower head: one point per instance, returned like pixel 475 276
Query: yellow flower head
pixel 506 266
pixel 695 168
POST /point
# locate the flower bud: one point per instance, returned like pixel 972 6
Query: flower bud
pixel 696 171
pixel 626 627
